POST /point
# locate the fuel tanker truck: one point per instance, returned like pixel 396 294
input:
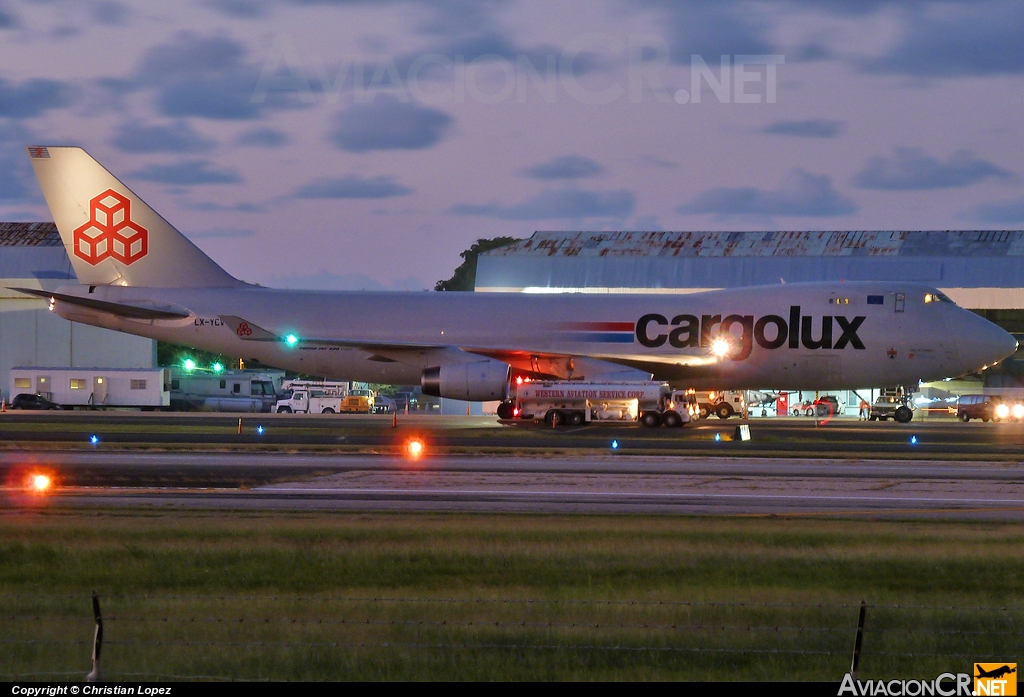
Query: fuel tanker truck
pixel 566 402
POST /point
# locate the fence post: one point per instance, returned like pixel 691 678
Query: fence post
pixel 860 640
pixel 97 640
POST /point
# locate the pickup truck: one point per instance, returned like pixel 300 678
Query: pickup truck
pixel 889 407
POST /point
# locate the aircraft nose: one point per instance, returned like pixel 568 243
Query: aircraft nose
pixel 985 343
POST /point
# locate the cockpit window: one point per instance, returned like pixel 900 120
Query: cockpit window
pixel 937 298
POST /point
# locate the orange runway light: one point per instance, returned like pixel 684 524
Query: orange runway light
pixel 40 483
pixel 414 449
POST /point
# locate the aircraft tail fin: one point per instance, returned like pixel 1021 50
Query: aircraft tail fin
pixel 112 236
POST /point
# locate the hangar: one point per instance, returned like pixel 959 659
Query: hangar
pixel 982 270
pixel 33 256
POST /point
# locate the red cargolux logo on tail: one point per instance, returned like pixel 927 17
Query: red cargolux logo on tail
pixel 110 232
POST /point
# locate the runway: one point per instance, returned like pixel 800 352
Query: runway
pixel 620 484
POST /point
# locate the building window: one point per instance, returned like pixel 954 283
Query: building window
pixel 78 383
pixel 22 383
pixel 236 388
pixel 223 384
pixel 175 384
pixel 138 384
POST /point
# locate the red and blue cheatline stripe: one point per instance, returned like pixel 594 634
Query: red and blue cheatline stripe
pixel 598 332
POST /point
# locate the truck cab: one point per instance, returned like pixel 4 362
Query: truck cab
pixel 722 403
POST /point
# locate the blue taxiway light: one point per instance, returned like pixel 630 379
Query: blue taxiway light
pixel 615 445
pixel 259 430
pixel 913 440
pixel 718 437
pixel 94 439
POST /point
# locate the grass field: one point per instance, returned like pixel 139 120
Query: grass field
pixel 385 596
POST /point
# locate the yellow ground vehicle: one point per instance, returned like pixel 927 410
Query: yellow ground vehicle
pixel 357 402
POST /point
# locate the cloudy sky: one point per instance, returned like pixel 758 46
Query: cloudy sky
pixel 364 144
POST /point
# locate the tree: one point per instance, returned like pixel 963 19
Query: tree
pixel 464 277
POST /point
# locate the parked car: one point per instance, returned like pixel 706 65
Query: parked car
pixel 384 405
pixel 32 401
pixel 827 405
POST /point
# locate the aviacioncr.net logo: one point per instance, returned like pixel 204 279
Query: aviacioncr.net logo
pixel 110 232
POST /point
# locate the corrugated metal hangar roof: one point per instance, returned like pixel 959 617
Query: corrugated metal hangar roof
pixel 979 268
pixel 29 235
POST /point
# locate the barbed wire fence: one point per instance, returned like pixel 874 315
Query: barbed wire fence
pixel 48 635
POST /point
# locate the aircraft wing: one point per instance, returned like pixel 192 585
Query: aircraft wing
pixel 248 331
pixel 545 362
pixel 119 309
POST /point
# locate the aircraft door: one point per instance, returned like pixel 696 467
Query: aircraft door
pixel 43 385
pixel 901 302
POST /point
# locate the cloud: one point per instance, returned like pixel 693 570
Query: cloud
pixel 660 163
pixel 221 233
pixel 8 20
pixel 387 124
pixel 134 136
pixel 109 12
pixel 263 138
pixel 187 173
pixel 17 181
pixel 957 39
pixel 352 186
pixel 712 29
pixel 32 98
pixel 243 9
pixel 809 128
pixel 1009 212
pixel 558 205
pixel 911 169
pixel 565 167
pixel 243 207
pixel 205 77
pixel 327 280
pixel 801 194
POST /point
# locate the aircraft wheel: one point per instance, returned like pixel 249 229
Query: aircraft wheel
pixel 672 419
pixel 554 418
pixel 576 418
pixel 284 410
pixel 505 410
pixel 328 410
pixel 723 411
pixel 651 419
pixel 965 417
pixel 903 415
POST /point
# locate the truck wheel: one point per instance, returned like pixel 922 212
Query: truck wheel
pixel 672 420
pixel 284 410
pixel 723 411
pixel 705 411
pixel 576 418
pixel 554 418
pixel 965 417
pixel 903 415
pixel 328 410
pixel 651 419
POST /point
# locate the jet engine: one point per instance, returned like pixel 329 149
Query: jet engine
pixel 479 381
